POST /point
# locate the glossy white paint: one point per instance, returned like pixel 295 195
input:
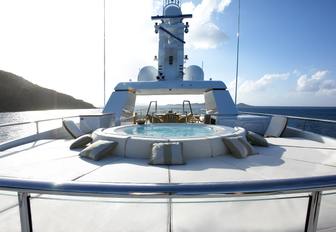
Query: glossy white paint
pixel 171 77
pixel 139 146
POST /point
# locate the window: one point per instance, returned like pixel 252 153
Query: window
pixel 170 60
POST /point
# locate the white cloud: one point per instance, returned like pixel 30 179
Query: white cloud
pixel 301 89
pixel 316 83
pixel 204 32
pixel 262 83
pixel 223 4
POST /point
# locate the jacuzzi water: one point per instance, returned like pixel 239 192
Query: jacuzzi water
pixel 170 131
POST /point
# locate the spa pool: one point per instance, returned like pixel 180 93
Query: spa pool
pixel 172 130
pixel 199 140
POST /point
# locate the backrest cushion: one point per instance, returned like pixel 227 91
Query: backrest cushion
pixel 276 126
pixel 71 127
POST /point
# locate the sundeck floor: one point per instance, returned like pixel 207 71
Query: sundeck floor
pixel 54 161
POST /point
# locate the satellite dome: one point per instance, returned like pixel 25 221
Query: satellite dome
pixel 194 73
pixel 147 73
pixel 172 10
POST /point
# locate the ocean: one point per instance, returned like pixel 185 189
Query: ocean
pixel 324 128
pixel 328 113
pixel 8 133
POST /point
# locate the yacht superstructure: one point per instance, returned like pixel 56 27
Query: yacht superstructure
pixel 287 186
pixel 171 77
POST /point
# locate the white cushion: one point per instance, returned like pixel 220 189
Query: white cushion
pixel 167 154
pixel 98 150
pixel 238 146
pixel 276 126
pixel 81 141
pixel 71 127
pixel 256 139
pixel 120 139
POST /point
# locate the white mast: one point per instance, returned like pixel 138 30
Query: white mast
pixel 237 62
pixel 104 47
pixel 171 41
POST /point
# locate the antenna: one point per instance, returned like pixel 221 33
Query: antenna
pixel 104 54
pixel 237 64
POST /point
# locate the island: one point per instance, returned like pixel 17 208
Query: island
pixel 18 94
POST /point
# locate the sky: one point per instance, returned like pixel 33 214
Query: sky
pixel 287 48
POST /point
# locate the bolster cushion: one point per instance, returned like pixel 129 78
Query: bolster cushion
pixel 81 141
pixel 255 139
pixel 98 150
pixel 238 146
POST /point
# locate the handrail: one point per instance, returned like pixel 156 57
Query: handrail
pixel 150 105
pixel 162 190
pixel 313 186
pixel 186 101
pixel 290 117
pixel 49 119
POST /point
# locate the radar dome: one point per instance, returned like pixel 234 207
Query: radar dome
pixel 147 73
pixel 172 10
pixel 194 73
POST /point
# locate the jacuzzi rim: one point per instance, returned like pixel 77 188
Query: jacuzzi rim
pixel 220 132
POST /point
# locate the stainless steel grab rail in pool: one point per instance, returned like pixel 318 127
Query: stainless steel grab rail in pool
pixel 314 186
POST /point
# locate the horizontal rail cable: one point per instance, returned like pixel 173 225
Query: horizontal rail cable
pixel 290 117
pixel 161 190
pixel 52 119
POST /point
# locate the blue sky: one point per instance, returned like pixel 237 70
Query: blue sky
pixel 295 34
pixel 295 39
pixel 287 49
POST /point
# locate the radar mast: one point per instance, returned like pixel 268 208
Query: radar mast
pixel 171 31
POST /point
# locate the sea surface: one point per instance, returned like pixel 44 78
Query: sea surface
pixel 320 127
pixel 12 132
pixel 328 113
pixel 7 133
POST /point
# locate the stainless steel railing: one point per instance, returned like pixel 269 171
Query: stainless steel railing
pixel 290 117
pixel 313 186
pixel 38 122
pixel 320 126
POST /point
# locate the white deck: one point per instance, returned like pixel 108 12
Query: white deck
pixel 54 161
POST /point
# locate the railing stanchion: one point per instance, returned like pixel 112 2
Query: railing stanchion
pixel 304 124
pixel 25 212
pixel 37 127
pixel 313 210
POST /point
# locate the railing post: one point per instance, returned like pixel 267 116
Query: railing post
pixel 313 210
pixel 304 124
pixel 37 127
pixel 25 212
